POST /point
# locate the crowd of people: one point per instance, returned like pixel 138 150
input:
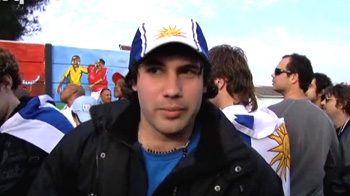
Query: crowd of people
pixel 187 122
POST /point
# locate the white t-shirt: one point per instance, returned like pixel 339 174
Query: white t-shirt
pixel 67 112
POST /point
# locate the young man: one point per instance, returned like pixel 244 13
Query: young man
pixel 315 91
pixel 68 95
pixel 313 143
pixel 169 140
pixel 118 80
pixel 261 129
pixel 30 127
pixel 106 96
pixel 81 108
pixel 74 72
pixel 337 106
pixel 97 78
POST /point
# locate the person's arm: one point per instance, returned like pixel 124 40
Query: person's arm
pixel 65 75
pixel 84 69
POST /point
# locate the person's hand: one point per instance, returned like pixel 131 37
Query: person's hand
pixel 90 87
pixel 58 90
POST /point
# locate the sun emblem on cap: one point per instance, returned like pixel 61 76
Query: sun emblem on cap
pixel 169 32
pixel 283 150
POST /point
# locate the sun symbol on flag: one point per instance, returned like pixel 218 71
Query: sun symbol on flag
pixel 283 150
pixel 170 31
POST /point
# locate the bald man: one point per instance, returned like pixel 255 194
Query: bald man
pixel 68 95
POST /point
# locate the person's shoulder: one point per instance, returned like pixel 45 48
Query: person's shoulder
pixel 69 68
pixel 76 140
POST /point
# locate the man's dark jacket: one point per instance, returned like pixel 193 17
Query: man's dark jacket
pixel 344 142
pixel 102 157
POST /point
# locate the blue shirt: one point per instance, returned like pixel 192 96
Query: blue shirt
pixel 159 166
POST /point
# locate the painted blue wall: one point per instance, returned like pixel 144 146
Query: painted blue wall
pixel 116 61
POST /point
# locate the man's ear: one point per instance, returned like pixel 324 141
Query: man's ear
pixel 7 82
pixel 134 87
pixel 320 94
pixel 294 78
pixel 220 83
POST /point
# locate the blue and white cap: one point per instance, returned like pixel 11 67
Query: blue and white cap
pixel 150 36
pixel 81 106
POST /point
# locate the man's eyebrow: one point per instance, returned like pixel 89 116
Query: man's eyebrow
pixel 192 65
pixel 152 62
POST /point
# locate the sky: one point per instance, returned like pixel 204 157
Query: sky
pixel 265 29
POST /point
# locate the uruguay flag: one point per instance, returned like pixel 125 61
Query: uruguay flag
pixel 267 134
pixel 39 122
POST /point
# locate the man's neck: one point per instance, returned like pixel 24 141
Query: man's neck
pixel 340 120
pixel 11 107
pixel 294 94
pixel 156 141
pixel 226 100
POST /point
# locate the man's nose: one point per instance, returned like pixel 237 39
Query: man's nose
pixel 173 86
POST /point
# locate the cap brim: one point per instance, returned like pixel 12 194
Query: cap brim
pixel 83 116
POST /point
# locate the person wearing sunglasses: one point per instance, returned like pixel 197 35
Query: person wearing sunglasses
pixel 316 89
pixel 336 103
pixel 313 142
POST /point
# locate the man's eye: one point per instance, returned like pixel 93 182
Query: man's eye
pixel 190 71
pixel 153 70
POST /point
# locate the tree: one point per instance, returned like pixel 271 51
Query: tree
pixel 18 19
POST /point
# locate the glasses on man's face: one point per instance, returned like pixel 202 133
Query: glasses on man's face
pixel 281 71
pixel 325 98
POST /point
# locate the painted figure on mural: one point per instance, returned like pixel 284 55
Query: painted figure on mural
pixel 97 78
pixel 74 72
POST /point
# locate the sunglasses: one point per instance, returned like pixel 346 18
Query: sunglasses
pixel 326 98
pixel 281 71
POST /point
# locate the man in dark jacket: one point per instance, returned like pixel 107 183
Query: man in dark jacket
pixel 166 140
pixel 336 103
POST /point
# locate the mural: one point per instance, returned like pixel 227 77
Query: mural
pixel 31 59
pixel 91 68
pixel 48 69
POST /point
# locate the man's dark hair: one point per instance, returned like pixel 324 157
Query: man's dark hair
pixel 102 61
pixel 9 67
pixel 322 81
pixel 104 89
pixel 169 50
pixel 230 63
pixel 301 65
pixel 342 94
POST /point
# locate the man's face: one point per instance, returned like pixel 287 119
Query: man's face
pixel 117 89
pixel 329 106
pixel 3 103
pixel 106 96
pixel 66 93
pixel 281 82
pixel 170 90
pixel 98 64
pixel 6 98
pixel 76 63
pixel 311 92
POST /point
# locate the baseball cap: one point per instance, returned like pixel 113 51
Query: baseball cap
pixel 150 36
pixel 117 76
pixel 81 106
